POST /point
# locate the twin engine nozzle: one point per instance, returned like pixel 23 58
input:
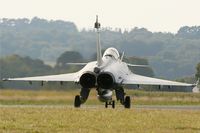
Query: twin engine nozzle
pixel 103 80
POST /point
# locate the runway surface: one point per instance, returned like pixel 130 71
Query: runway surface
pixel 160 107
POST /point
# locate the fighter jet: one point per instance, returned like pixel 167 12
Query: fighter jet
pixel 109 73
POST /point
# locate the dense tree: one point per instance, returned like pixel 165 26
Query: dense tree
pixel 189 32
pixel 1 84
pixel 146 71
pixel 16 66
pixel 69 57
pixel 170 55
pixel 198 71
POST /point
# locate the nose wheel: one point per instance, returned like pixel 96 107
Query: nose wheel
pixel 110 103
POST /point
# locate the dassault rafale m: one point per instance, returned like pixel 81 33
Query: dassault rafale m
pixel 109 73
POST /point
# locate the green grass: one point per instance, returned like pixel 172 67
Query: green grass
pixel 22 97
pixel 45 119
pixel 87 120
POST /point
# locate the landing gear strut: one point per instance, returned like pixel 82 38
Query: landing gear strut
pixel 110 103
pixel 124 100
pixel 80 99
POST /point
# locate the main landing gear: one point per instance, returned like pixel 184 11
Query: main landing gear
pixel 120 96
pixel 127 102
pixel 80 99
pixel 77 101
pixel 124 100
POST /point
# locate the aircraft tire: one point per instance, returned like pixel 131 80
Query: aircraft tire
pixel 77 101
pixel 106 104
pixel 127 102
pixel 113 104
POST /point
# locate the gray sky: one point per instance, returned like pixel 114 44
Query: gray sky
pixel 156 15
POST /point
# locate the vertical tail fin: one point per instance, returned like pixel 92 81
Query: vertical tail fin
pixel 99 54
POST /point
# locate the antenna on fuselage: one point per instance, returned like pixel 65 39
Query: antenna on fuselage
pixel 99 54
pixel 122 56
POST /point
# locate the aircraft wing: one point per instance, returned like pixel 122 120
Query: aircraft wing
pixel 60 77
pixel 143 80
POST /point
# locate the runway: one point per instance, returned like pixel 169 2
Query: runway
pixel 168 107
pixel 148 107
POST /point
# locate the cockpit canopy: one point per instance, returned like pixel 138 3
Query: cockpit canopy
pixel 112 52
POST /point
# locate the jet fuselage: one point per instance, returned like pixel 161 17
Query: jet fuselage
pixel 105 77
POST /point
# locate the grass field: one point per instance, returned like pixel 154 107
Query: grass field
pixel 39 119
pixel 12 97
pixel 63 119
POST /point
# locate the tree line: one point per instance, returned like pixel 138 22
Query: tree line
pixel 171 55
pixel 18 66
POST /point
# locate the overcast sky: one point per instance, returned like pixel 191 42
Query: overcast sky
pixel 155 15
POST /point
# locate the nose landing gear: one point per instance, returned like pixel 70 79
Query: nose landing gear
pixel 126 103
pixel 110 103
